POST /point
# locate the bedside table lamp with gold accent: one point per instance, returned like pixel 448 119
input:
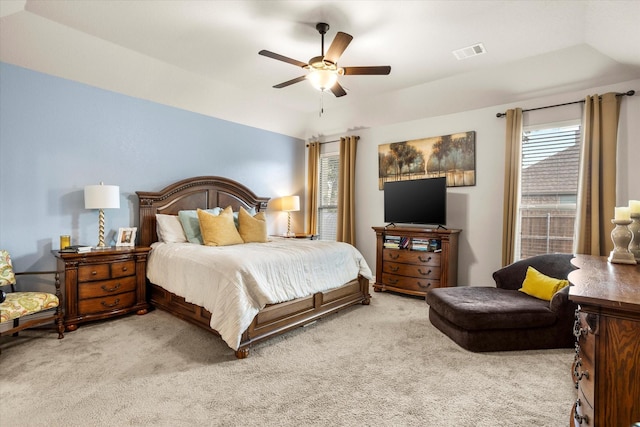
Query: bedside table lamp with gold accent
pixel 101 197
pixel 288 204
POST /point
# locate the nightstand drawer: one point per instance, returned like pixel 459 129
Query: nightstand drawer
pixel 106 287
pixel 409 283
pixel 108 303
pixel 91 272
pixel 122 269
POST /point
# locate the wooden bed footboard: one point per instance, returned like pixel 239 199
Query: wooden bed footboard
pixel 273 319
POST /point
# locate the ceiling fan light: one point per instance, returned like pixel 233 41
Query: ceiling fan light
pixel 323 80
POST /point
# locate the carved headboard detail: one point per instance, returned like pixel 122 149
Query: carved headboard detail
pixel 204 192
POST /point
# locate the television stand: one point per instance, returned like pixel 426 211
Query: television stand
pixel 414 260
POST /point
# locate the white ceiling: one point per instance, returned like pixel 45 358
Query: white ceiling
pixel 202 56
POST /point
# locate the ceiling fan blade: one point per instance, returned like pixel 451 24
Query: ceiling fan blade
pixel 338 90
pixel 290 82
pixel 282 58
pixel 377 70
pixel 338 45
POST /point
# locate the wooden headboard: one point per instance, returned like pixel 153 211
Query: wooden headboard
pixel 204 192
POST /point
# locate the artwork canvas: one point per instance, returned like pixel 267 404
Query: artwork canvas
pixel 452 156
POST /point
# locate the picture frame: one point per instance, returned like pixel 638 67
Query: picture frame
pixel 126 236
pixel 451 156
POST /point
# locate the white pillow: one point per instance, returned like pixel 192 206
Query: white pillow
pixel 170 229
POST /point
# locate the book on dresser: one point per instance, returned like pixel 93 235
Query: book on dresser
pixel 77 249
pixel 413 260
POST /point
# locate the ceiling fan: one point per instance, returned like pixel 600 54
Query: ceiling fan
pixel 323 70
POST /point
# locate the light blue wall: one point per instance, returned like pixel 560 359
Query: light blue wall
pixel 56 136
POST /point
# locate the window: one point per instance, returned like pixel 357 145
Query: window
pixel 328 193
pixel 548 189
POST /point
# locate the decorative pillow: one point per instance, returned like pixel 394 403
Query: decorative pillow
pixel 219 230
pixel 170 229
pixel 541 286
pixel 250 211
pixel 7 277
pixel 253 228
pixel 191 225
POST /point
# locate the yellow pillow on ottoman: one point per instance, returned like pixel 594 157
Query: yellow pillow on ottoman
pixel 252 228
pixel 541 286
pixel 218 230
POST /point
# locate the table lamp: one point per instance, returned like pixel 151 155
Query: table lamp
pixel 289 204
pixel 101 197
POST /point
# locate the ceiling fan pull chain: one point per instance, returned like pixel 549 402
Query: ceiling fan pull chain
pixel 321 103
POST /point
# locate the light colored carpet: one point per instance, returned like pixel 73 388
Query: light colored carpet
pixel 377 365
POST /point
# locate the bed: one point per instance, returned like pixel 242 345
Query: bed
pixel 208 192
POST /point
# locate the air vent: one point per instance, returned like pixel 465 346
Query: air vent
pixel 469 51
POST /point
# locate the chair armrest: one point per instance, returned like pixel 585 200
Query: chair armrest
pixel 39 273
pixel 560 300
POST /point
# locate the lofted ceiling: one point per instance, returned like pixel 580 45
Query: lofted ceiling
pixel 202 56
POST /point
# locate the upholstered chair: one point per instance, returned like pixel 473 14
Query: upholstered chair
pixel 503 318
pixel 25 309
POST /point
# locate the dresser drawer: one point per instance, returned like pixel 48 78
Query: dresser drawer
pixel 411 257
pixel 409 283
pixel 106 287
pixel 412 270
pixel 87 273
pixel 107 303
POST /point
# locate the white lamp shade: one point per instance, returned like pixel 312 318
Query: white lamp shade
pixel 101 197
pixel 322 79
pixel 288 203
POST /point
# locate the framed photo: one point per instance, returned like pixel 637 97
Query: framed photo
pixel 126 236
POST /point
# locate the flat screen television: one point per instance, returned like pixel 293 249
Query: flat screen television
pixel 420 201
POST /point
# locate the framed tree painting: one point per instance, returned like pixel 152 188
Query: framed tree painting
pixel 452 156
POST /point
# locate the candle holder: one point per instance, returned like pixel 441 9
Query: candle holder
pixel 621 237
pixel 634 227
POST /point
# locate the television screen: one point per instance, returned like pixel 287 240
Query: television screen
pixel 420 201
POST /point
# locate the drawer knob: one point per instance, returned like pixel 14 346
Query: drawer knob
pixel 124 268
pixel 579 418
pixel 423 273
pixel 115 303
pixel 115 288
pixel 427 286
pixel 394 268
pixel 394 256
pixel 93 273
pixel 393 281
pixel 577 373
pixel 424 260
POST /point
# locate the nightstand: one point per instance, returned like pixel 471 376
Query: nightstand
pixel 103 283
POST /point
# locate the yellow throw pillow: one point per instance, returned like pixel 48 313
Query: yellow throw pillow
pixel 541 286
pixel 218 230
pixel 252 228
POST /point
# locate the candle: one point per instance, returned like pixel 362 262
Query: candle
pixel 622 214
pixel 65 240
pixel 634 206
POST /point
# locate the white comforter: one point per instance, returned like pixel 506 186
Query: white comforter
pixel 235 282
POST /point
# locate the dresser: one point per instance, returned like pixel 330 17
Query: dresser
pixel 606 367
pixel 413 260
pixel 103 283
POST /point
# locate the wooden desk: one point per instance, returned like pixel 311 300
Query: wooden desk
pixel 606 368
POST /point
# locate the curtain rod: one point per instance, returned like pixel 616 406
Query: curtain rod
pixel 326 142
pixel 628 93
